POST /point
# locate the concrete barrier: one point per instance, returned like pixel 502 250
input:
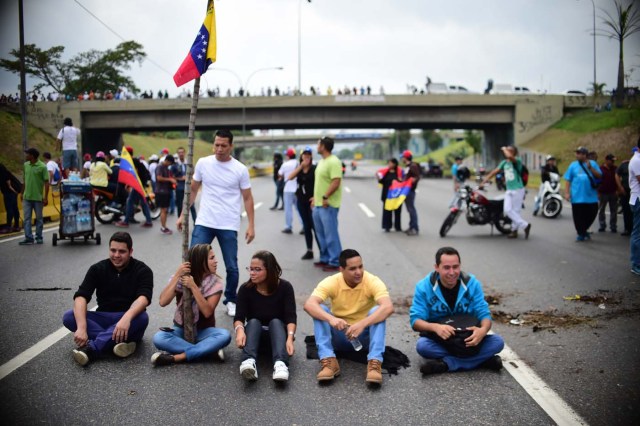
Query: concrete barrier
pixel 51 212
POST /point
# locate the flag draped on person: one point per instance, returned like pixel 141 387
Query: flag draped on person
pixel 128 174
pixel 202 52
pixel 398 191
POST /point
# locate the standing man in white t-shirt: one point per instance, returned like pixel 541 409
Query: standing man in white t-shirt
pixel 634 185
pixel 225 187
pixel 68 141
pixel 52 168
pixel 290 187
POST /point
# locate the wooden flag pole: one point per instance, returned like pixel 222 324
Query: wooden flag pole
pixel 190 330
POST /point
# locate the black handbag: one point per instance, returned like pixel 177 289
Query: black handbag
pixel 456 345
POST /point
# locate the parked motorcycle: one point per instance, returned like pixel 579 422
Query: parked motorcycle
pixel 479 210
pixel 549 198
pixel 106 211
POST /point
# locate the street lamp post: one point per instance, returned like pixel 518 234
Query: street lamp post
pixel 300 46
pixel 595 81
pixel 245 88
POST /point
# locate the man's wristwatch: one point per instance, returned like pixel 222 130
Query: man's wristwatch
pixel 324 197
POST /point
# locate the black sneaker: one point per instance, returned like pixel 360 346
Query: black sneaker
pixel 308 255
pixel 162 358
pixel 494 363
pixel 26 242
pixel 434 366
pixel 602 229
pixel 84 355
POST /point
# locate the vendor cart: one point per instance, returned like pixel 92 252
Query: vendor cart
pixel 76 213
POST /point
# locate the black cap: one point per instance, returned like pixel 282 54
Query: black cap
pixel 610 157
pixel 582 150
pixel 33 152
pixel 169 158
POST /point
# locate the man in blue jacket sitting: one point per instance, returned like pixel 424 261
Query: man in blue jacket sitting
pixel 442 297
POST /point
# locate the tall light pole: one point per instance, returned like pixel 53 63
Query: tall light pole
pixel 595 81
pixel 245 88
pixel 300 45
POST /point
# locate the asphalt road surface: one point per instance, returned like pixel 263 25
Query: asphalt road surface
pixel 571 361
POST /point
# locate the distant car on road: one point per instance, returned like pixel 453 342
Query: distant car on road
pixel 458 89
pixel 575 93
pixel 431 170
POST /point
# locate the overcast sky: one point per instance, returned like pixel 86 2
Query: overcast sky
pixel 541 44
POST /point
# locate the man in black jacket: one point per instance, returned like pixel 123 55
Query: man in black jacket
pixel 123 287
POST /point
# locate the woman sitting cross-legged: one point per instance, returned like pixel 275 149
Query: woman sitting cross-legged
pixel 199 276
pixel 265 315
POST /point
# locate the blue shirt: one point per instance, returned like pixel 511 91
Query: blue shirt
pixel 581 190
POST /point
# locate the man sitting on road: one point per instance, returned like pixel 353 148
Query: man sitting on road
pixel 360 305
pixel 448 293
pixel 123 287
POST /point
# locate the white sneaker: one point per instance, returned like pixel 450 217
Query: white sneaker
pixel 123 350
pixel 220 354
pixel 280 372
pixel 248 369
pixel 231 309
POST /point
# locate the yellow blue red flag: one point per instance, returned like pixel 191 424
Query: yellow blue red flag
pixel 128 174
pixel 203 50
pixel 398 191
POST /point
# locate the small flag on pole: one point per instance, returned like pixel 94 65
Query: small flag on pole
pixel 203 50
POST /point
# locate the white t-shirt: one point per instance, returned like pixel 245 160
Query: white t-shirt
pixel 634 185
pixel 221 200
pixel 152 170
pixel 69 137
pixel 285 170
pixel 87 165
pixel 52 166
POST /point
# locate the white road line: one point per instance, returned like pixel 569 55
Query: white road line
pixel 547 398
pixel 21 236
pixel 35 350
pixel 347 189
pixel 256 206
pixel 366 210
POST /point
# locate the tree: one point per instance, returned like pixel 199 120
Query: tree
pixel 474 140
pixel 402 137
pixel 432 138
pixel 93 70
pixel 625 22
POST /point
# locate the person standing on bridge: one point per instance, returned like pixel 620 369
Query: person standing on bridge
pixel 226 186
pixel 327 196
pixel 67 141
pixel 413 171
pixel 448 296
pixel 511 166
pixel 123 287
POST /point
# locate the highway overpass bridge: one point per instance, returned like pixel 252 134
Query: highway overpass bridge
pixel 504 119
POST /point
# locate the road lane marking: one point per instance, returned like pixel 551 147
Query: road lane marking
pixel 347 189
pixel 366 210
pixel 35 350
pixel 539 391
pixel 256 206
pixel 21 236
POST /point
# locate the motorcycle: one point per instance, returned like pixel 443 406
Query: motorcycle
pixel 549 198
pixel 479 210
pixel 107 211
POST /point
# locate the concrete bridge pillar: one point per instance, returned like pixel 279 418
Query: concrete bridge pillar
pixel 494 138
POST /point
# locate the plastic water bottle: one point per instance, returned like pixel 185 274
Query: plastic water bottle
pixel 356 344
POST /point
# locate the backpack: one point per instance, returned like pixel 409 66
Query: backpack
pixel 524 174
pixel 56 175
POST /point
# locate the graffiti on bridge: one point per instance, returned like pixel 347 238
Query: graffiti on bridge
pixel 543 115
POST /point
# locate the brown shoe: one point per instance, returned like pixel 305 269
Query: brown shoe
pixel 526 231
pixel 374 372
pixel 330 369
pixel 513 234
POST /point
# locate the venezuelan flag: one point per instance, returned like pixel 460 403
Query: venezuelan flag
pixel 203 50
pixel 128 174
pixel 398 191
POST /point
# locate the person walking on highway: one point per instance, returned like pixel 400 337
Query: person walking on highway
pixel 290 187
pixel 581 191
pixel 442 298
pixel 413 171
pixel 10 187
pixel 226 186
pixel 327 196
pixel 277 163
pixel 67 141
pixel 512 166
pixel 634 185
pixel 265 317
pixel 123 287
pixel 607 194
pixel 360 306
pixel 304 175
pixel 36 180
pixel 198 274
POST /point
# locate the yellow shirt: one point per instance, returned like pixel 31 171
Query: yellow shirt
pixel 351 304
pixel 98 173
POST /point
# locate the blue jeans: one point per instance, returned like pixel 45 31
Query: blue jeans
pixel 27 207
pixel 492 344
pixel 635 236
pixel 328 339
pixel 228 241
pixel 411 208
pixel 275 338
pixel 208 342
pixel 11 206
pixel 289 205
pixel 132 200
pixel 325 222
pixel 100 326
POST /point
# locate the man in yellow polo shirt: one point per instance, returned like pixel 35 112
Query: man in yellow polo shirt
pixel 360 305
